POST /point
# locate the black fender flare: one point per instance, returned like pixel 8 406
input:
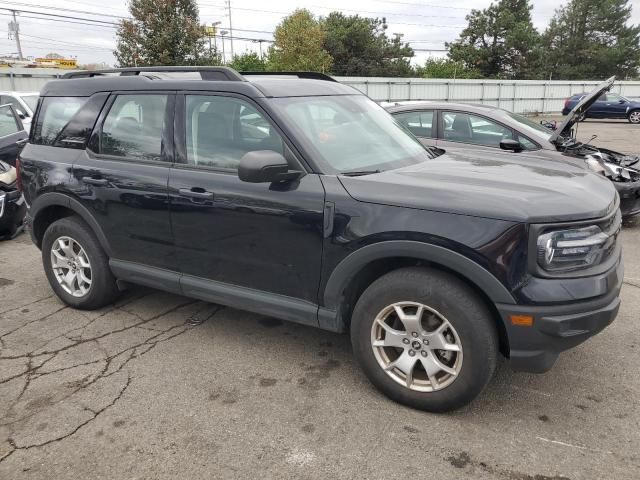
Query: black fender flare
pixel 465 267
pixel 49 199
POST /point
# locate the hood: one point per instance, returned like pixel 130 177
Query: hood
pixel 581 107
pixel 517 189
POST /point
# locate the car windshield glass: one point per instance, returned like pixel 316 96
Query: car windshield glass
pixel 529 125
pixel 350 133
pixel 31 101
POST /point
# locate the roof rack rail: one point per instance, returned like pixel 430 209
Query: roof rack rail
pixel 304 75
pixel 206 73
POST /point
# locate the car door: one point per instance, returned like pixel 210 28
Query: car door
pixel 121 178
pixel 467 130
pixel 12 135
pixel 614 106
pixel 258 236
pixel 421 123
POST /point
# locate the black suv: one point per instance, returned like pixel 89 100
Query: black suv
pixel 298 197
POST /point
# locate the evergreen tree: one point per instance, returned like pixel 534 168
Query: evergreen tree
pixel 592 39
pixel 500 41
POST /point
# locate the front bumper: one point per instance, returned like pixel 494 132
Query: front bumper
pixel 629 197
pixel 560 327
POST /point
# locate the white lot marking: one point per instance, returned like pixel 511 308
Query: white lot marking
pixel 579 447
pixel 300 458
pixel 531 390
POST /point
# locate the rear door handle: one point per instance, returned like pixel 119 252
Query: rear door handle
pixel 100 182
pixel 196 192
pixel 22 141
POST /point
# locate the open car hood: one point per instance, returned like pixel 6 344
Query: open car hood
pixel 582 106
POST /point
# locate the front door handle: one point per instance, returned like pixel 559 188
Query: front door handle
pixel 196 192
pixel 100 182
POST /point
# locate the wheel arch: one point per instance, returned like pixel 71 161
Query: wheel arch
pixel 357 271
pixel 49 207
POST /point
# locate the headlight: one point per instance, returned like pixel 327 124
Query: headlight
pixel 564 250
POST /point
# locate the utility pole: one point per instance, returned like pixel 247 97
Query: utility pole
pixel 14 29
pixel 230 27
pixel 222 34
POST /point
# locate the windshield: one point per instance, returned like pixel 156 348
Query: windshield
pixel 31 101
pixel 350 133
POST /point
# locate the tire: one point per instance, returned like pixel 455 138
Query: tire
pixel 634 117
pixel 102 289
pixel 449 304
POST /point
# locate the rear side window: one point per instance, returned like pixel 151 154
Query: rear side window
pixel 8 123
pixel 418 123
pixel 53 117
pixel 133 127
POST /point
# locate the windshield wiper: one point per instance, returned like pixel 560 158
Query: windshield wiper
pixel 359 173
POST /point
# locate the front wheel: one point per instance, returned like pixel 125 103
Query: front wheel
pixel 634 117
pixel 425 339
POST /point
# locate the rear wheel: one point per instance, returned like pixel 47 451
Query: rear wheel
pixel 425 339
pixel 634 116
pixel 76 265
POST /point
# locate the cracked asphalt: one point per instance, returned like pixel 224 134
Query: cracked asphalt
pixel 161 386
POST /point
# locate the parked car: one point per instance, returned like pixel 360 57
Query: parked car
pixel 455 126
pixel 24 104
pixel 607 105
pixel 333 216
pixel 12 206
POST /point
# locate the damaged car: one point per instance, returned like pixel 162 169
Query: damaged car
pixel 452 126
pixel 12 205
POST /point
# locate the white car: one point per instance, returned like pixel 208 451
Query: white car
pixel 24 104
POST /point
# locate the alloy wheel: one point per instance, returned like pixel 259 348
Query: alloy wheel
pixel 634 117
pixel 71 266
pixel 416 346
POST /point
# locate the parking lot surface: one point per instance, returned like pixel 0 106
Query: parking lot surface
pixel 161 386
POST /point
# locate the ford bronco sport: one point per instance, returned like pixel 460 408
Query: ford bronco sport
pixel 298 197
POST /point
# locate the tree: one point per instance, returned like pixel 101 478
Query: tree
pixel 360 46
pixel 298 44
pixel 446 68
pixel 162 32
pixel 248 62
pixel 592 39
pixel 500 41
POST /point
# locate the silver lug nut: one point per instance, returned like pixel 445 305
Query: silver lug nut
pixel 415 334
pixel 405 340
pixel 424 353
pixel 411 353
pixel 425 341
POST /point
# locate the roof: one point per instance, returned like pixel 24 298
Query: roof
pixel 440 105
pixel 221 79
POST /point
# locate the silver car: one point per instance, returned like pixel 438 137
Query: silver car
pixel 453 126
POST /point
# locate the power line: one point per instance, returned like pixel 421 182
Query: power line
pixel 62 21
pixel 60 16
pixel 60 9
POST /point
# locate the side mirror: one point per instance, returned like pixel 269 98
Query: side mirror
pixel 621 101
pixel 21 114
pixel 510 144
pixel 264 166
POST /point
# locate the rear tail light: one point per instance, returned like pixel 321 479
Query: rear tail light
pixel 18 176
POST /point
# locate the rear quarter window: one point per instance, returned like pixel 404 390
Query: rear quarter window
pixel 67 121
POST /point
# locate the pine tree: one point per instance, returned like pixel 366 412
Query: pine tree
pixel 592 39
pixel 499 41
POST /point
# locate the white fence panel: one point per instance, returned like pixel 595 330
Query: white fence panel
pixel 523 96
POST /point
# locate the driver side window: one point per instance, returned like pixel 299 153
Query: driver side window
pixel 474 129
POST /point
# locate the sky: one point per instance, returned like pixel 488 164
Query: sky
pixel 426 25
